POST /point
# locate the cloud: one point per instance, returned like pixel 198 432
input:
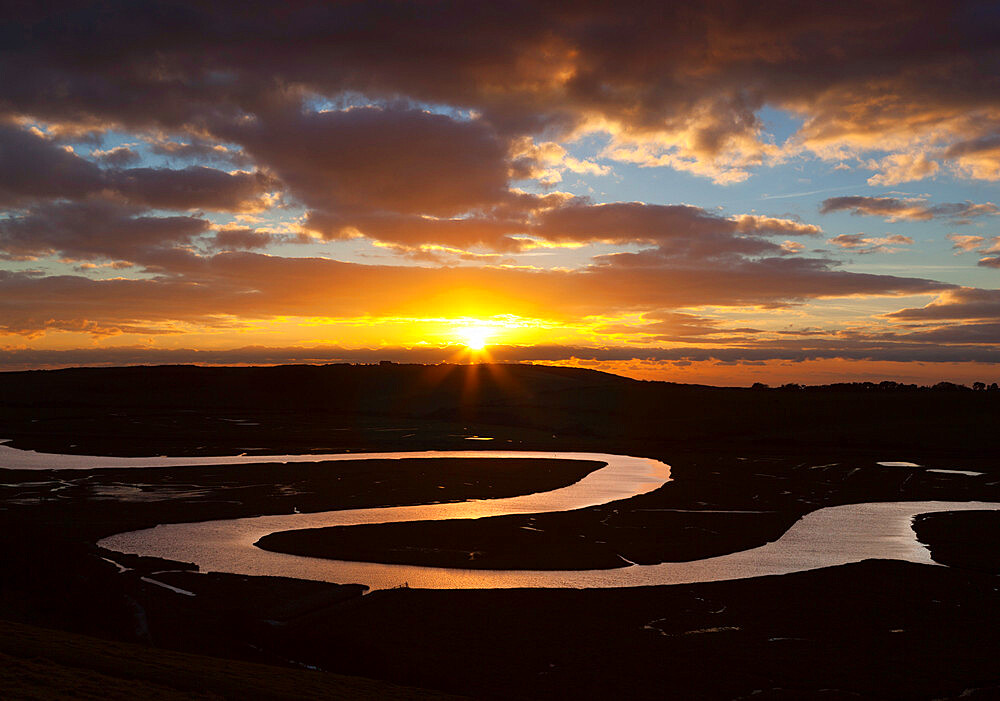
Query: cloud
pixel 117 157
pixel 94 229
pixel 677 326
pixel 681 87
pixel 195 187
pixel 372 159
pixel 977 158
pixel 548 161
pixel 530 221
pixel 244 239
pixel 13 359
pixel 902 168
pixel 679 232
pixel 496 233
pixel 913 209
pixel 959 303
pixel 979 244
pixel 794 351
pixel 772 226
pixel 34 168
pixel 964 243
pixel 859 243
pixel 408 125
pixel 244 285
pixel 446 255
pixel 198 150
pixel 988 332
pixel 718 141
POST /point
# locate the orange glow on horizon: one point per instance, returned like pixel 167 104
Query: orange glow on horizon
pixel 462 340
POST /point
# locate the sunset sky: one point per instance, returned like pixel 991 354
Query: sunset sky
pixel 720 192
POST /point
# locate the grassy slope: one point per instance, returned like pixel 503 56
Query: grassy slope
pixel 38 663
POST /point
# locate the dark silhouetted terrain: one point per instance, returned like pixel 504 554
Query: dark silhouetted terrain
pixel 745 465
pixel 143 410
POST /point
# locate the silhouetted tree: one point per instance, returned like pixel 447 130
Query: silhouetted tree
pixel 978 386
pixel 948 386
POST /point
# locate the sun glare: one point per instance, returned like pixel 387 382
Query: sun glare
pixel 475 337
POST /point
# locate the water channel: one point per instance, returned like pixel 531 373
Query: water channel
pixel 826 537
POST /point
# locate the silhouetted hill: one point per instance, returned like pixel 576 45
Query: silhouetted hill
pixel 529 406
pixel 407 389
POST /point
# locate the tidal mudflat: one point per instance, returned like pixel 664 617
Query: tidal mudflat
pixel 826 537
pixel 876 628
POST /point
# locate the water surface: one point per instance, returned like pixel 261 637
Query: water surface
pixel 827 537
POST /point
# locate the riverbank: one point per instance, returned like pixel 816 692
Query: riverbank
pixel 92 504
pixel 876 629
pixel 968 540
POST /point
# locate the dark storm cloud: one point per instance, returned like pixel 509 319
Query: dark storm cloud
pixel 636 221
pixel 679 232
pixel 243 239
pixel 864 74
pixel 94 229
pixel 373 159
pixel 34 168
pixel 409 230
pixel 690 78
pixel 195 187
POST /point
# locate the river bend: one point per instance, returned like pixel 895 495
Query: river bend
pixel 830 536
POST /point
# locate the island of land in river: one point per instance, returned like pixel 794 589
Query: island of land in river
pixel 745 464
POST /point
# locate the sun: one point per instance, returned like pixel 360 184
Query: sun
pixel 475 337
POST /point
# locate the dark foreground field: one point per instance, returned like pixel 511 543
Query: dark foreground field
pixel 40 663
pixel 745 464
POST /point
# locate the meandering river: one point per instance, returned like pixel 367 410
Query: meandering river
pixel 826 537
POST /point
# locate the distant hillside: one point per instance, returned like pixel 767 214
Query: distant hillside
pixel 534 402
pixel 343 387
